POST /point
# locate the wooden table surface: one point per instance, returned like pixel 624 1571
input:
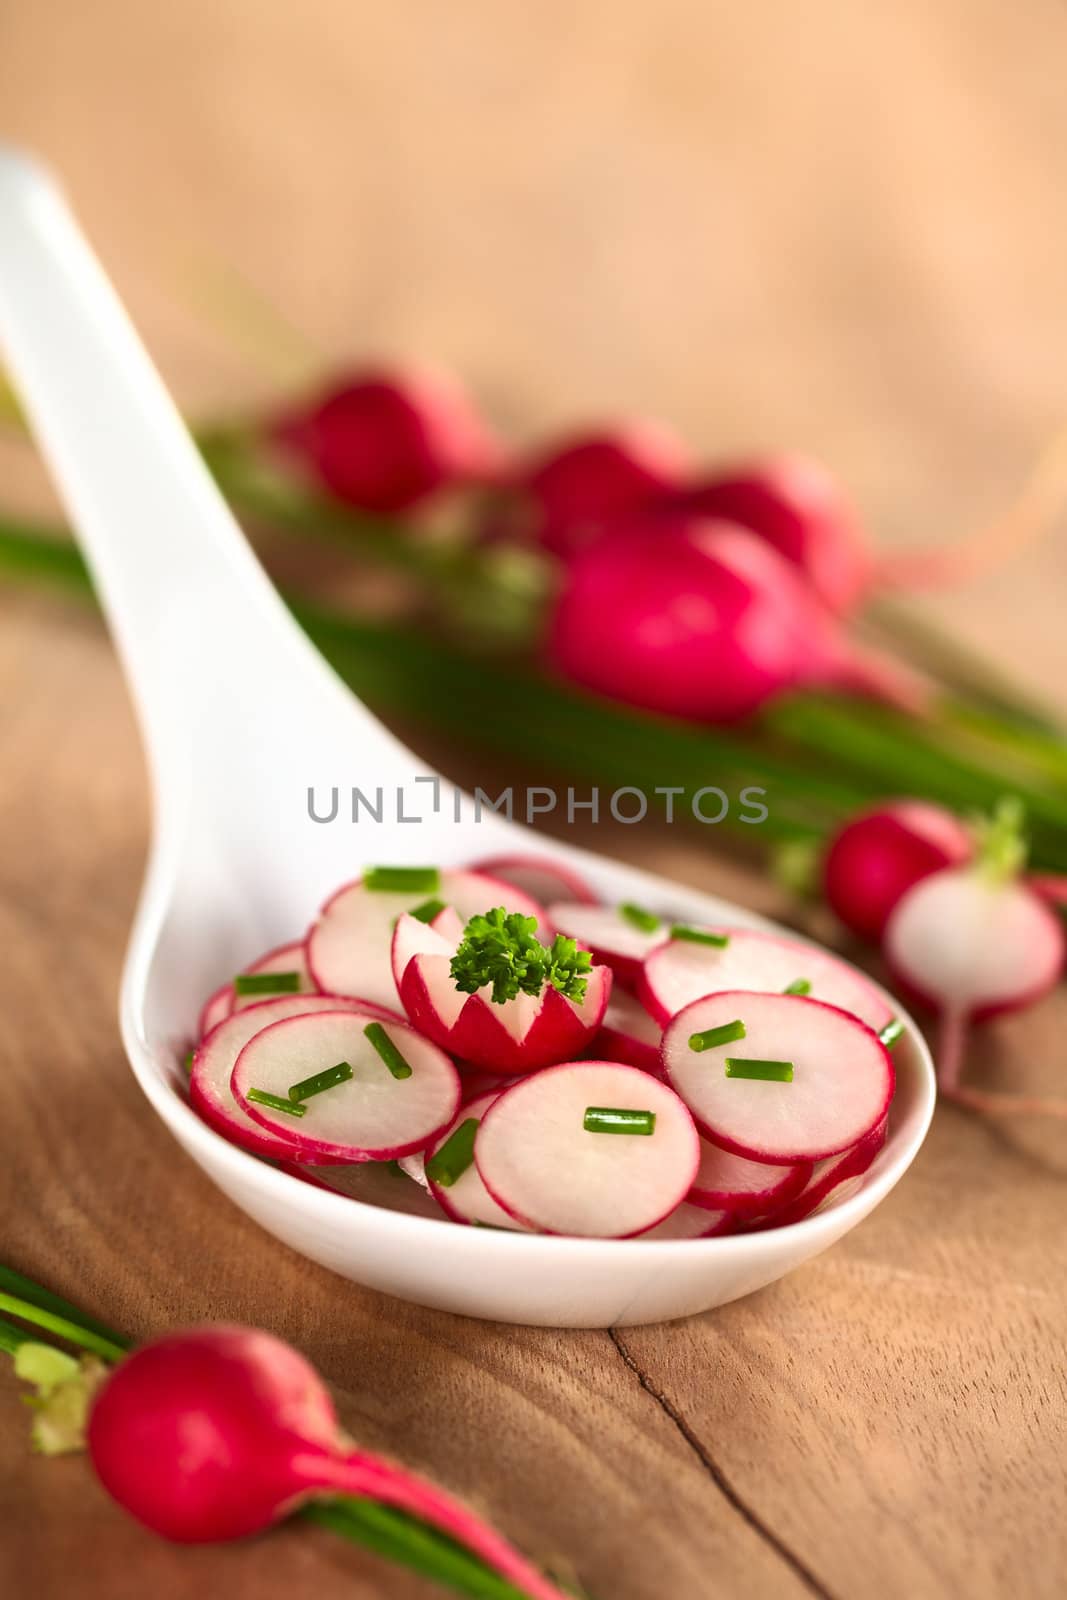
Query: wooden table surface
pixel 832 226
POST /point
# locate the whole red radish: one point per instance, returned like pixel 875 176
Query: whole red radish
pixel 217 1432
pixel 589 484
pixel 701 620
pixel 972 942
pixel 385 441
pixel 879 855
pixel 800 508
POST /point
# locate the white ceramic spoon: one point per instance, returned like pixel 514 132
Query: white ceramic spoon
pixel 239 715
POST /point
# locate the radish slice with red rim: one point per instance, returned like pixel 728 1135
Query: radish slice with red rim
pixel 629 1034
pixel 400 1092
pixel 841 1074
pixel 834 1179
pixel 518 1036
pixel 286 962
pixel 682 971
pixel 216 1009
pixel 214 1060
pixel 541 879
pixel 691 1222
pixel 454 1180
pixel 614 935
pixel 728 1182
pixel 348 948
pixel 541 1163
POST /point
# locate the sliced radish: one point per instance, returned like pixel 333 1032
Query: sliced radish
pixel 454 1180
pixel 691 1222
pixel 682 971
pixel 376 1114
pixel 216 1009
pixel 629 1034
pixel 518 1036
pixel 213 1064
pixel 834 1179
pixel 541 879
pixel 286 959
pixel 544 1168
pixel 348 947
pixel 842 1075
pixel 615 938
pixel 728 1182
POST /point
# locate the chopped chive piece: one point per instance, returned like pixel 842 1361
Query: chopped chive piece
pixel 638 917
pixel 618 1119
pixel 449 1164
pixel 263 1097
pixel 725 1034
pixel 681 930
pixel 328 1078
pixel 892 1032
pixel 751 1067
pixel 402 880
pixel 267 983
pixel 428 910
pixel 187 1060
pixel 387 1050
pixel 800 986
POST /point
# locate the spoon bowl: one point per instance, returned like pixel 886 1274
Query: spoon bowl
pixel 241 718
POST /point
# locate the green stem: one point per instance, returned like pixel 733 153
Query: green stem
pixel 12 1282
pixel 409 1543
pixel 72 1332
pixel 11 1337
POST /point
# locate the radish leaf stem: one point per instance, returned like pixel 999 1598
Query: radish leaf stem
pixel 73 1332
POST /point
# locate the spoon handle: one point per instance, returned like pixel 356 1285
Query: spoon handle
pixel 199 627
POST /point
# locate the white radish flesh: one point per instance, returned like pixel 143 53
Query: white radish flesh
pixel 681 972
pixel 615 941
pixel 542 880
pixel 518 1036
pixel 214 1060
pixel 374 1115
pixel 629 1034
pixel 466 1199
pixel 841 1086
pixel 544 1168
pixel 691 1222
pixel 349 946
pixel 729 1182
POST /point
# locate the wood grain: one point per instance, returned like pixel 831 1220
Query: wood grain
pixel 834 226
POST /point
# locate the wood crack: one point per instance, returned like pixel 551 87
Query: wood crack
pixel 718 1477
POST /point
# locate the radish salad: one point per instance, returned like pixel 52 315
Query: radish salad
pixel 493 1046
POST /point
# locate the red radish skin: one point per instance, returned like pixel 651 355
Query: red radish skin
pixel 691 1222
pixel 216 1433
pixel 374 1116
pixel 842 1085
pixel 387 441
pixel 214 1059
pixel 704 621
pixel 349 946
pixel 542 1167
pixel 970 946
pixel 835 1179
pixel 677 973
pixel 743 1188
pixel 540 879
pixel 468 1200
pixel 614 941
pixel 629 1034
pixel 876 858
pixel 588 484
pixel 520 1036
pixel 1051 886
pixel 800 509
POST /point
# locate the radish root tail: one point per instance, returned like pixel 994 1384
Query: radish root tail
pixel 951 1050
